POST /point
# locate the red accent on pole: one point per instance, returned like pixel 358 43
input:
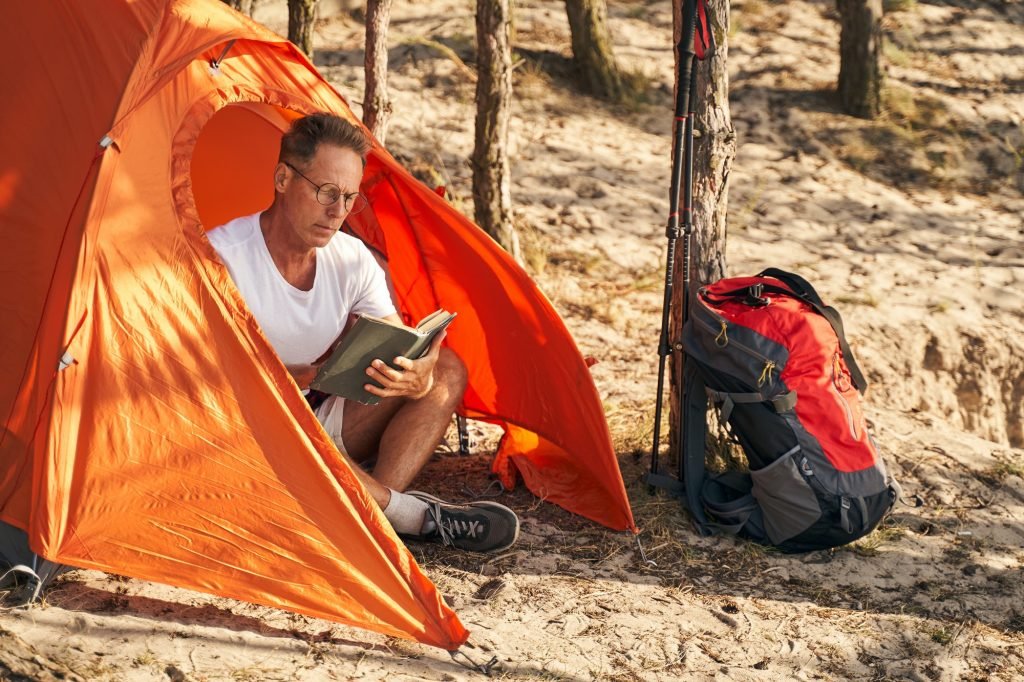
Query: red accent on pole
pixel 701 37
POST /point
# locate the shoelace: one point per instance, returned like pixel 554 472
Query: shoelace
pixel 452 529
pixel 465 528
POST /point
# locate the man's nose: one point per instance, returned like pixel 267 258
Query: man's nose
pixel 337 209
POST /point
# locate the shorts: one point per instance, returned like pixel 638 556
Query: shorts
pixel 331 414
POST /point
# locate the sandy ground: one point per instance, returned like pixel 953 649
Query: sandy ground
pixel 911 225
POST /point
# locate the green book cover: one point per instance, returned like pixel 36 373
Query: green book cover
pixel 371 338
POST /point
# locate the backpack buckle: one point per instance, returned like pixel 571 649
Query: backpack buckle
pixel 754 299
pixel 844 515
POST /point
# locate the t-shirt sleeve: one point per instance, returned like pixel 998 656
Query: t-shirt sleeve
pixel 374 297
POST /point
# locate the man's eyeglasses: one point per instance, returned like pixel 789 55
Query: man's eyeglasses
pixel 329 193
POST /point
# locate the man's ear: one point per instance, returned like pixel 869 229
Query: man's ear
pixel 280 177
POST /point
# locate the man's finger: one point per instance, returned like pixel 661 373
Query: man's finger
pixel 435 345
pixel 377 390
pixel 378 369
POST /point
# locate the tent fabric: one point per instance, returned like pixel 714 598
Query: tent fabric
pixel 173 446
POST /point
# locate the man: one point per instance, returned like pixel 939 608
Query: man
pixel 302 279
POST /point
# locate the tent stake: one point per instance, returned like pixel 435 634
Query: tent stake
pixel 485 668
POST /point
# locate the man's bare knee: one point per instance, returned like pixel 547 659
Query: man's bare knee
pixel 450 375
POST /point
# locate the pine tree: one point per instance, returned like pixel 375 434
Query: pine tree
pixel 592 48
pixel 860 42
pixel 376 103
pixel 301 14
pixel 243 6
pixel 492 196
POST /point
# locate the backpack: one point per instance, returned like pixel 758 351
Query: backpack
pixel 774 360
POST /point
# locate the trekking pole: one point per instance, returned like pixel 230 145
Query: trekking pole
pixel 685 90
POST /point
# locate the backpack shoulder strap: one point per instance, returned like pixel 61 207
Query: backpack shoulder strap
pixel 691 460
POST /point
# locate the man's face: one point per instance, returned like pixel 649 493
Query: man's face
pixel 313 223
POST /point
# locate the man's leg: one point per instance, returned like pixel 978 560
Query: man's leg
pixel 403 433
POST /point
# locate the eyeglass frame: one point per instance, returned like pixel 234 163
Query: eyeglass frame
pixel 348 196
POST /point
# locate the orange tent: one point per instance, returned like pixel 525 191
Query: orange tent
pixel 148 428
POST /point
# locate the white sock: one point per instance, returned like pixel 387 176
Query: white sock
pixel 407 514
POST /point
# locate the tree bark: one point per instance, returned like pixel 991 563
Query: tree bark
pixel 860 42
pixel 243 6
pixel 592 48
pixel 301 14
pixel 492 196
pixel 714 151
pixel 376 103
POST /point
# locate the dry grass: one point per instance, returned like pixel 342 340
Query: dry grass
pixel 895 55
pixel 631 425
pixel 529 79
pixel 746 15
pixel 868 299
pixel 870 545
pixel 918 140
pixel 533 246
pixel 637 88
pixel 446 51
pixel 755 16
pixel 890 6
pixel 1006 466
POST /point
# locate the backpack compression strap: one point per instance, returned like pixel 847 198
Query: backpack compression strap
pixel 727 401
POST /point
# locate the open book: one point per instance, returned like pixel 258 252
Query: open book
pixel 371 338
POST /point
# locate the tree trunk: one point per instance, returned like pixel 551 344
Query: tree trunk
pixel 592 48
pixel 301 14
pixel 492 196
pixel 860 42
pixel 243 6
pixel 376 104
pixel 714 151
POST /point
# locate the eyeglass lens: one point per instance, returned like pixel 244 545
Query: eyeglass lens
pixel 329 194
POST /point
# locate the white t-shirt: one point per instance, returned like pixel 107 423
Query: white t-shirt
pixel 302 325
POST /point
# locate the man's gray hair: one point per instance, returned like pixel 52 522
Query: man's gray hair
pixel 300 143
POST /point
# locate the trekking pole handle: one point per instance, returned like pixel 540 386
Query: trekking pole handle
pixel 685 58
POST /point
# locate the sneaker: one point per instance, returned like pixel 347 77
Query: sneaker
pixel 475 526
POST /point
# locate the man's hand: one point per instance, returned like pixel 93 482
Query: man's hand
pixel 413 379
pixel 304 374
